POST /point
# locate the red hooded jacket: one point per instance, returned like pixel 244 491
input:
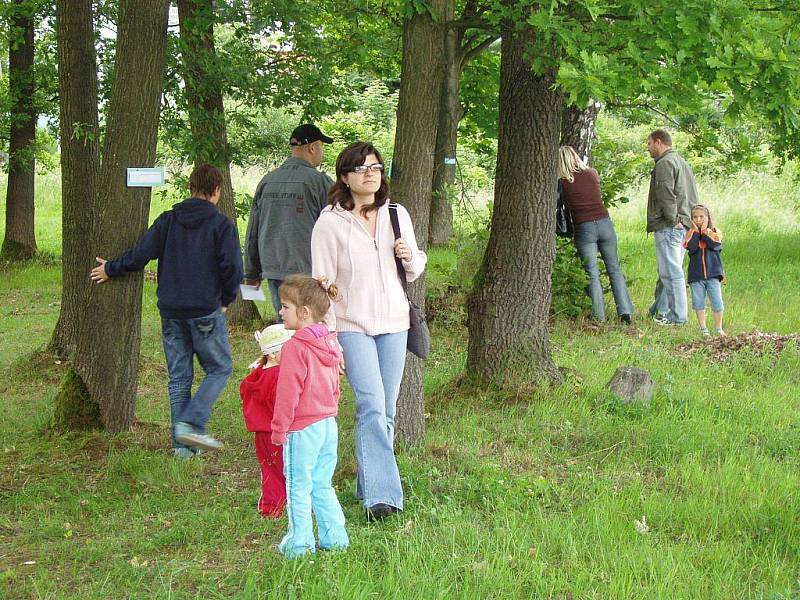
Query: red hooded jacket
pixel 308 383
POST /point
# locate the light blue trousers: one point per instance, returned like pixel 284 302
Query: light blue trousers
pixel 309 460
pixel 669 258
pixel 374 365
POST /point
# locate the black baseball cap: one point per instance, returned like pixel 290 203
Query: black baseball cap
pixel 305 134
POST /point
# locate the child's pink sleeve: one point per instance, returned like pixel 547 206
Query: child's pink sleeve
pixel 290 386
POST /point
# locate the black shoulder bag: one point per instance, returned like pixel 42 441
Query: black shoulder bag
pixel 564 226
pixel 419 337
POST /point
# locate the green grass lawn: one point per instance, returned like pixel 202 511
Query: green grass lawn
pixel 534 497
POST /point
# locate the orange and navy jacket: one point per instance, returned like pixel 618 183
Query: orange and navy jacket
pixel 704 250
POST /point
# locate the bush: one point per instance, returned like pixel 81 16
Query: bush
pixel 452 269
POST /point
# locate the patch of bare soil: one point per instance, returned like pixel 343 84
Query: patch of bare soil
pixel 721 348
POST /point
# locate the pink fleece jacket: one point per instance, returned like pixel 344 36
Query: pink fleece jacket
pixel 363 268
pixel 308 383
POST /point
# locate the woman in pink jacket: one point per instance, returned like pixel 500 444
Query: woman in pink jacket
pixel 353 245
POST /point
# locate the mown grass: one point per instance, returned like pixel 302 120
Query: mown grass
pixel 524 497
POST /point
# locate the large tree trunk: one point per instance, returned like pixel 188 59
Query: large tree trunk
pixel 207 114
pixel 412 168
pixel 450 113
pixel 508 308
pixel 20 237
pixel 577 128
pixel 107 356
pixel 80 162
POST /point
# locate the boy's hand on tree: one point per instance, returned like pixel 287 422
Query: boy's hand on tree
pixel 98 274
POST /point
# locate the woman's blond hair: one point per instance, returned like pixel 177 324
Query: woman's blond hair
pixel 569 163
pixel 304 290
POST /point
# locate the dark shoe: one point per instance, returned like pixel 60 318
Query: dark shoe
pixel 625 319
pixel 378 512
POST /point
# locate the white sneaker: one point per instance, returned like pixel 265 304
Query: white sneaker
pixel 188 435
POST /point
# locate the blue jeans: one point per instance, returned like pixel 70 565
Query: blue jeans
pixel 589 238
pixel 273 285
pixel 309 460
pixel 713 288
pixel 207 337
pixel 669 258
pixel 374 366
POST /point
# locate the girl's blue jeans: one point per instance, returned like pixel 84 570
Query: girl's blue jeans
pixel 374 366
pixel 589 238
pixel 713 288
pixel 309 460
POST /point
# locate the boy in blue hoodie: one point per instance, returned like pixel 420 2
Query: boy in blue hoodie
pixel 199 271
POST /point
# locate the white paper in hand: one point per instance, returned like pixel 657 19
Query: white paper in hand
pixel 251 292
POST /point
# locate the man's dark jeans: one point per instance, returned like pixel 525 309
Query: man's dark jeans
pixel 207 337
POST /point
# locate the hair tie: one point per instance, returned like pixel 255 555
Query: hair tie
pixel 324 282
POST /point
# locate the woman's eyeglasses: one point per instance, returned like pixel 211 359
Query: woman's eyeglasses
pixel 376 168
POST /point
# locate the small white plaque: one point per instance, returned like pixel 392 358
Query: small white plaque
pixel 138 177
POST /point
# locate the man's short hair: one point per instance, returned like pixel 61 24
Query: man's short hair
pixel 662 135
pixel 205 179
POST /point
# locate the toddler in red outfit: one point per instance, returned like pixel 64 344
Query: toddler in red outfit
pixel 257 391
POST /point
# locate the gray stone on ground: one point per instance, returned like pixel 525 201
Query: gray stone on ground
pixel 632 385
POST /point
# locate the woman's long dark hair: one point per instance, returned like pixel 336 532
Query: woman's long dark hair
pixel 353 156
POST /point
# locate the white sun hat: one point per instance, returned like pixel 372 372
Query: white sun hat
pixel 272 338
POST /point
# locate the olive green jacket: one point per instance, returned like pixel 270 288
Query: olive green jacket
pixel 672 194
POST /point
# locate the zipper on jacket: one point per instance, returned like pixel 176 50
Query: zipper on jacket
pixel 703 258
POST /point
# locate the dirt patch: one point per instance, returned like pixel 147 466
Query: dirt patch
pixel 722 348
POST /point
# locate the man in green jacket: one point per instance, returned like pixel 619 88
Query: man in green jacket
pixel 286 205
pixel 670 200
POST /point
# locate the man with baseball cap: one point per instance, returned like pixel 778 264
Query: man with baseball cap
pixel 286 205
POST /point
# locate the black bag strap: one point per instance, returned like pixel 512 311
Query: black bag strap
pixel 401 272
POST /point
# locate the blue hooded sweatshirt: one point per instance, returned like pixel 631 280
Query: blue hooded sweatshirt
pixel 199 259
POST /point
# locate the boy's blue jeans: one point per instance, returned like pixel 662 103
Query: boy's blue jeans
pixel 309 460
pixel 374 367
pixel 207 337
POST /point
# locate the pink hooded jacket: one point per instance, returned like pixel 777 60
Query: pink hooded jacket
pixel 308 383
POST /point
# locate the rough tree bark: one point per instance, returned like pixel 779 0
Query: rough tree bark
pixel 19 242
pixel 412 175
pixel 577 128
pixel 207 115
pixel 80 161
pixel 107 357
pixel 450 113
pixel 507 311
pixel 458 51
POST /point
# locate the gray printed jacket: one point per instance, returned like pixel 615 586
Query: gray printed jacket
pixel 286 205
pixel 672 194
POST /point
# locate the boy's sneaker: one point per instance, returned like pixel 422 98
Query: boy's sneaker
pixel 183 453
pixel 704 331
pixel 660 320
pixel 189 435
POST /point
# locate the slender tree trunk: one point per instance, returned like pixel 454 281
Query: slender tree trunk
pixel 207 114
pixel 80 163
pixel 107 356
pixel 577 128
pixel 508 308
pixel 450 113
pixel 412 168
pixel 20 237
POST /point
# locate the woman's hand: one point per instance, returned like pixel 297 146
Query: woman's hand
pixel 401 249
